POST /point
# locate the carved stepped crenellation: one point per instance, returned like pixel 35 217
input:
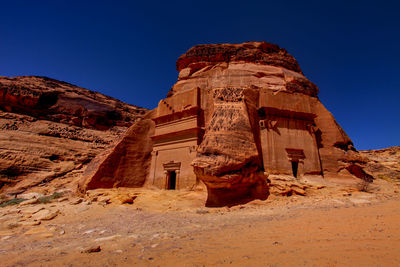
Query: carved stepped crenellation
pixel 168 106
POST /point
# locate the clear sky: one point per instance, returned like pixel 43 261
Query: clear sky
pixel 128 49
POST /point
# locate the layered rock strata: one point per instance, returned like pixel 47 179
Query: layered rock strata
pixel 51 129
pixel 237 114
pixel 48 99
pixel 384 163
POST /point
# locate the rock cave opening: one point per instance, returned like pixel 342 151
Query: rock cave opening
pixel 295 167
pixel 171 176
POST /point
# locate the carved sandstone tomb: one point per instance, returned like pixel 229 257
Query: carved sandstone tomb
pixel 237 114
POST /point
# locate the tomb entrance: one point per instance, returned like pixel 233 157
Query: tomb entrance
pixel 171 180
pixel 171 171
pixel 295 157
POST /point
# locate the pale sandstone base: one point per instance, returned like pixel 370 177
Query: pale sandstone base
pixel 334 227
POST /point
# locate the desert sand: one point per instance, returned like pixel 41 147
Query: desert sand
pixel 330 226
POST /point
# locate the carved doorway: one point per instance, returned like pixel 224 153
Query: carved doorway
pixel 171 180
pixel 295 157
pixel 172 170
pixel 295 167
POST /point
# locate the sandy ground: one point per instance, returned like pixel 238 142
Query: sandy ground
pixel 337 227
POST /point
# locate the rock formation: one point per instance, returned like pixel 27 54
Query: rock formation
pixel 49 99
pixel 238 114
pixel 384 163
pixel 51 129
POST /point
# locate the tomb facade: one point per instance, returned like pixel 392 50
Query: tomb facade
pixel 238 114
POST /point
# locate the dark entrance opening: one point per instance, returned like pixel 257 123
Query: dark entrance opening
pixel 295 166
pixel 171 180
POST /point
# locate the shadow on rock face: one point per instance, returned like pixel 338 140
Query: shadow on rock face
pixel 228 161
pixel 220 197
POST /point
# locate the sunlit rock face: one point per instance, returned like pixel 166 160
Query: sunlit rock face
pixel 238 115
pixel 50 130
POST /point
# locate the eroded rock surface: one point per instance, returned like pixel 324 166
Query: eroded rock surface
pixel 126 164
pixel 253 52
pixel 384 163
pixel 49 99
pixel 51 129
pixel 237 114
pixel 228 157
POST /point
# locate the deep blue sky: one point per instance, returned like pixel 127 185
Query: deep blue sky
pixel 128 49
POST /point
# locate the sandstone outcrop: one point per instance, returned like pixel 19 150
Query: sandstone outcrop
pixel 384 163
pixel 127 163
pixel 51 129
pixel 237 114
pixel 49 99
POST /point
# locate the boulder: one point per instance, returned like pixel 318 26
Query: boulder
pixel 45 215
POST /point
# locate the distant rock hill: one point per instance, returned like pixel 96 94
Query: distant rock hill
pixel 384 163
pixel 51 129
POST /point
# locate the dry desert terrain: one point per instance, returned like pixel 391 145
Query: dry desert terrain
pixel 330 226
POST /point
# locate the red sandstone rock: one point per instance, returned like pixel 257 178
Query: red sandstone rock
pixel 126 164
pixel 51 129
pixel 45 98
pixel 265 53
pixel 237 114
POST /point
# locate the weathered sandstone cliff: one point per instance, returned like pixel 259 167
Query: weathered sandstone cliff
pixel 51 129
